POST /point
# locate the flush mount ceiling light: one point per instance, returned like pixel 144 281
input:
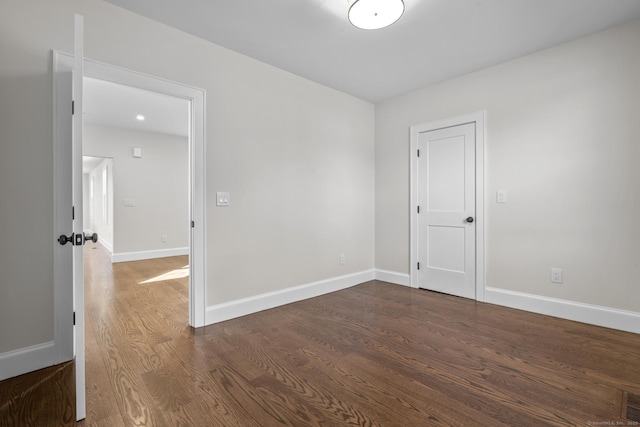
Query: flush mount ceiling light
pixel 140 117
pixel 375 14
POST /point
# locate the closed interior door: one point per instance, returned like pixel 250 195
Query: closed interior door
pixel 446 220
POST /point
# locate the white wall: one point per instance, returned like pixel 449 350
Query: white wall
pixel 562 139
pixel 297 158
pixel 157 182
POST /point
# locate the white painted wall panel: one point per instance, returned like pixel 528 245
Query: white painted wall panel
pixel 562 139
pixel 157 183
pixel 296 157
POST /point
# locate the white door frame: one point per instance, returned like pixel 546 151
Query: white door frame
pixel 196 98
pixel 479 119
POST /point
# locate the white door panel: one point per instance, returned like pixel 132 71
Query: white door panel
pixel 69 236
pixel 78 229
pixel 63 208
pixel 445 250
pixel 446 192
pixel 445 180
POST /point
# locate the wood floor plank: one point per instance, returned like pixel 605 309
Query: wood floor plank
pixel 481 368
pixel 100 399
pixel 296 390
pixel 43 397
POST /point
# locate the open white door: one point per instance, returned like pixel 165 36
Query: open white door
pixel 69 238
pixel 68 73
pixel 78 259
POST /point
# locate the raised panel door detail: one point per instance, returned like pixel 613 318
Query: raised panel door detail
pixel 445 166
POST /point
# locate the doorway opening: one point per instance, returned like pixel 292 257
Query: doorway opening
pixel 174 115
pixel 135 190
pixel 139 198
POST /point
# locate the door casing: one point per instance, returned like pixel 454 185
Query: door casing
pixel 479 119
pixel 197 205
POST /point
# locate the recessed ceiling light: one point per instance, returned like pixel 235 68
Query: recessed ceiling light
pixel 140 117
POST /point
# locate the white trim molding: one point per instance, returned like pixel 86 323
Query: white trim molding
pixel 607 317
pixel 479 119
pixel 105 244
pixel 393 277
pixel 242 307
pixel 140 255
pixel 26 359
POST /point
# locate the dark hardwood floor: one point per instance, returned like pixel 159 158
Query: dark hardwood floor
pixel 373 355
pixel 41 398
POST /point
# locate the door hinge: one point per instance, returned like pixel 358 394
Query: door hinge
pixel 418 153
pixel 418 266
pixel 193 224
pixel 73 212
pixel 74 318
pixel 418 209
pixel 73 107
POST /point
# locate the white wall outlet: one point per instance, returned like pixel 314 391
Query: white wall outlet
pixel 164 238
pixel 223 198
pixel 501 196
pixel 556 275
pixel 343 259
pixel 128 203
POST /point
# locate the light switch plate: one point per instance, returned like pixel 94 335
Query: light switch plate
pixel 128 203
pixel 223 198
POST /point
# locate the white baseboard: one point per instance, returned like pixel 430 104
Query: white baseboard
pixel 140 255
pixel 242 307
pixel 107 245
pixel 27 359
pixel 586 313
pixel 393 277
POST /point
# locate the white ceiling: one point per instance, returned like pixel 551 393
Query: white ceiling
pixel 112 104
pixel 433 41
pixel 116 105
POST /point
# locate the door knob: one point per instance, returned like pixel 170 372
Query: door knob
pixel 470 219
pixel 77 239
pixel 63 240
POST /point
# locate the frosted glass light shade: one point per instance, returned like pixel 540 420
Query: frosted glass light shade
pixel 375 14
